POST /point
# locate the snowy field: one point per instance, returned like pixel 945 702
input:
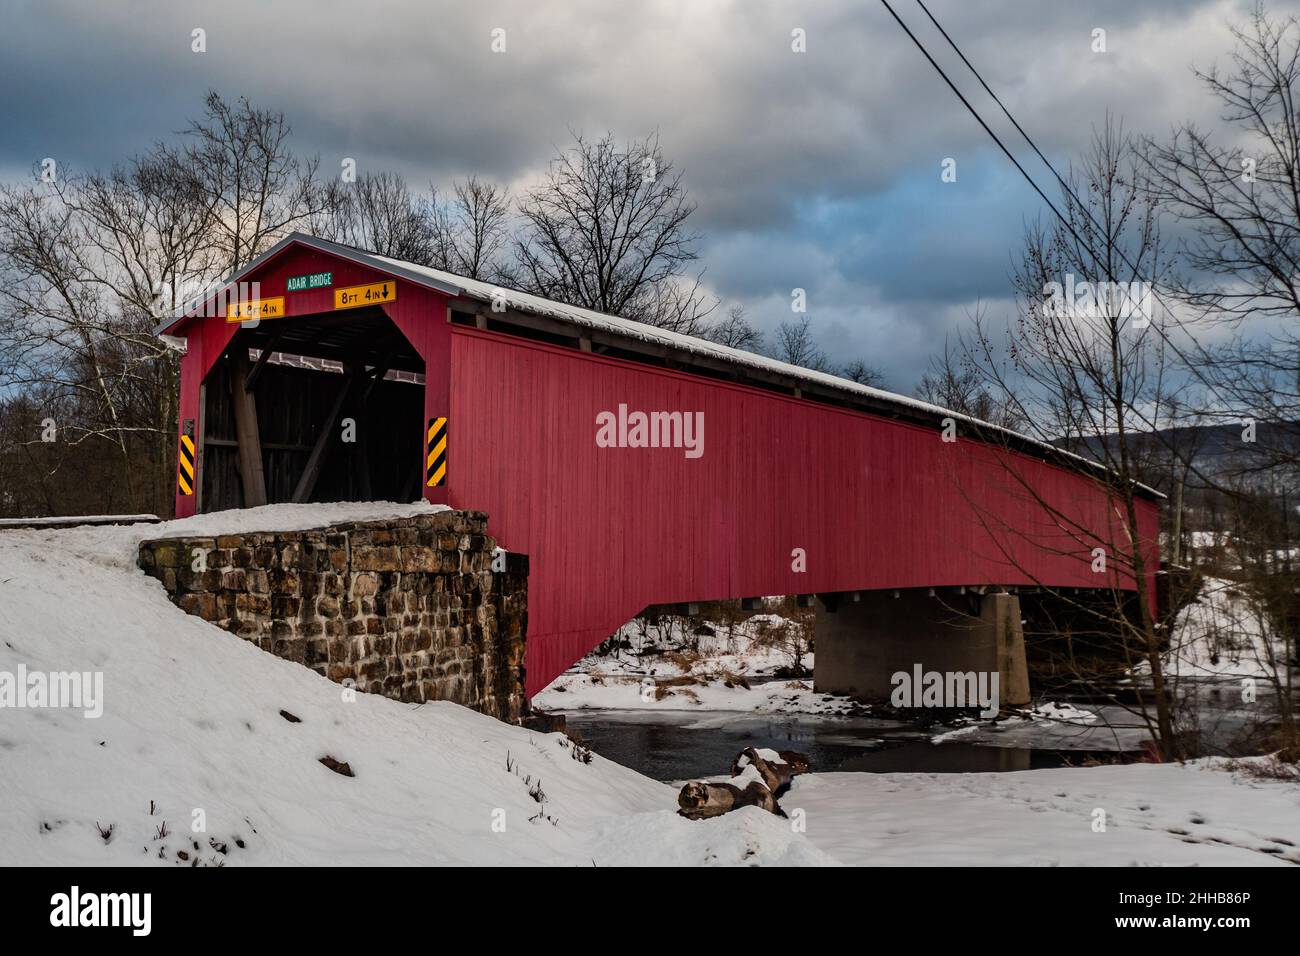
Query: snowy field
pixel 194 731
pixel 1155 815
pixel 669 666
pixel 1221 635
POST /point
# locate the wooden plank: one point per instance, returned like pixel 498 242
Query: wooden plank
pixel 199 439
pixel 377 375
pixel 361 459
pixel 874 503
pixel 292 350
pixel 246 431
pixel 603 340
pixel 251 382
pixel 266 445
pixel 311 471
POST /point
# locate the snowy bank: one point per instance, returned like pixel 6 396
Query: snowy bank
pixel 200 726
pixel 682 663
pixel 1155 815
pixel 1220 635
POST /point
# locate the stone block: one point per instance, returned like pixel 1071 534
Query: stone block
pixel 377 559
pixel 200 605
pixel 284 582
pixel 419 560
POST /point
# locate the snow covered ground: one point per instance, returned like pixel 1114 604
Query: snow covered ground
pixel 200 726
pixel 1155 814
pixel 1220 636
pixel 598 691
pixel 668 666
pixel 192 727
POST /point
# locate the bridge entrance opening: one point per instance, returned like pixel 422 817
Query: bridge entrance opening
pixel 317 408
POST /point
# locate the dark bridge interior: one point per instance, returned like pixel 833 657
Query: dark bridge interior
pixel 357 334
pixel 293 401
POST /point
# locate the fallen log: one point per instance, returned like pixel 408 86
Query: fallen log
pixel 700 800
pixel 758 777
pixel 777 768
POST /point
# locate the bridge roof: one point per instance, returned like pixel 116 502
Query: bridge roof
pixel 852 394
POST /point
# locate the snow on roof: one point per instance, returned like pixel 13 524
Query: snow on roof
pixel 629 328
pixel 456 285
pixel 589 319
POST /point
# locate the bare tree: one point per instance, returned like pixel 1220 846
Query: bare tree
pixel 795 344
pixel 258 189
pixel 735 331
pixel 472 229
pixel 957 386
pixel 1084 366
pixel 607 230
pixel 89 264
pixel 1237 189
pixel 1241 200
pixel 378 212
pixel 862 373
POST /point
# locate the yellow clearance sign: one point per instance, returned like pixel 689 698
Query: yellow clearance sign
pixel 354 297
pixel 255 309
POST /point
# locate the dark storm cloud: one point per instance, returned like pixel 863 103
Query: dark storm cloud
pixel 818 170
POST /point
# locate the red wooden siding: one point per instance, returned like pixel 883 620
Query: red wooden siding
pixel 874 503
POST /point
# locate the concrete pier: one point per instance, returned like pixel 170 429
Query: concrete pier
pixel 861 644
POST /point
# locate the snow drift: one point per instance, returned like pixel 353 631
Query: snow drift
pixel 209 751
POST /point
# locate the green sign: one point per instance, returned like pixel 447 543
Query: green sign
pixel 316 280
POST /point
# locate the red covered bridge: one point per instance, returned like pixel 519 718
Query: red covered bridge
pixel 634 466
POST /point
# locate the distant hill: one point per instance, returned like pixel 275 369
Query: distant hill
pixel 1222 453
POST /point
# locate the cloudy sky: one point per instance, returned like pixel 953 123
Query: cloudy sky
pixel 819 170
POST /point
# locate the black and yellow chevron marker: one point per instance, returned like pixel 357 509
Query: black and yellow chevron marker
pixel 185 473
pixel 435 460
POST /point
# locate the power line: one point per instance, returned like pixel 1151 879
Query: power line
pixel 1082 206
pixel 1079 204
pixel 979 119
pixel 1019 129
